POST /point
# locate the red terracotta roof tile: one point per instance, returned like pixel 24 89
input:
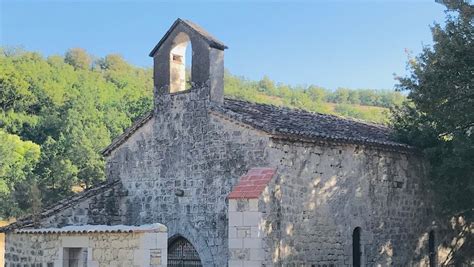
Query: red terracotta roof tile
pixel 252 184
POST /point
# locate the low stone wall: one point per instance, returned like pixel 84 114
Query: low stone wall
pixel 117 249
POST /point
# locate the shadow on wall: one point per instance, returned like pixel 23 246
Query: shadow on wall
pixel 456 244
pixel 337 192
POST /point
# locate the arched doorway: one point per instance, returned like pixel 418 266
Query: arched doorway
pixel 181 253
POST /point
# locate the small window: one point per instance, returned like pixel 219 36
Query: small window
pixel 75 257
pixel 432 248
pixel 356 251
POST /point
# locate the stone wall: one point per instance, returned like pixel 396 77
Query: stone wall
pixel 323 192
pixel 245 233
pixel 103 249
pixel 179 168
pixel 100 207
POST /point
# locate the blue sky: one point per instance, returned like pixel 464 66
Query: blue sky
pixel 356 44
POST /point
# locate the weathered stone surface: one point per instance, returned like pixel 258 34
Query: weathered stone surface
pixel 324 192
pixel 185 147
pixel 178 165
pixel 103 249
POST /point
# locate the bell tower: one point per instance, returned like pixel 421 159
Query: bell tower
pixel 207 68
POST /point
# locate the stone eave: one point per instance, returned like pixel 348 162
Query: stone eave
pixel 328 141
pixel 28 220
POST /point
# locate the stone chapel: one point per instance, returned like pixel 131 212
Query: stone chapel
pixel 204 180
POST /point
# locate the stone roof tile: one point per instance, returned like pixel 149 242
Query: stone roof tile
pixel 28 220
pixel 301 124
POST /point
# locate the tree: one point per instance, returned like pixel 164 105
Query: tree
pixel 78 58
pixel 317 94
pixel 113 62
pixel 439 116
pixel 341 95
pixel 266 85
pixel 17 161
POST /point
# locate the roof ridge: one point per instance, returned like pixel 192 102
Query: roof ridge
pixel 211 40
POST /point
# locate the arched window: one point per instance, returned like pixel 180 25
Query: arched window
pixel 356 251
pixel 432 248
pixel 182 253
pixel 180 60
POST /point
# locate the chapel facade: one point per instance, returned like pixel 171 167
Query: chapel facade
pixel 235 183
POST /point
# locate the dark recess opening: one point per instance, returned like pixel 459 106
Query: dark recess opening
pixel 356 252
pixel 432 249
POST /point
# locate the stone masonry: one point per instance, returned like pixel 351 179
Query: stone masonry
pixel 104 246
pixel 184 164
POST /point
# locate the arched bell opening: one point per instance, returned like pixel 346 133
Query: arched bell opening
pixel 180 63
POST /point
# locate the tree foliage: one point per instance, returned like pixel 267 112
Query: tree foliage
pixel 72 106
pixel 366 104
pixel 71 110
pixel 17 162
pixel 439 116
pixel 78 58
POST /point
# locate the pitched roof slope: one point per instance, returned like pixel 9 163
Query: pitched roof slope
pixel 300 124
pixel 211 40
pixel 127 133
pixel 287 122
pixel 28 220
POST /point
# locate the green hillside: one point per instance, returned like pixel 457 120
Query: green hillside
pixel 57 112
pixel 366 104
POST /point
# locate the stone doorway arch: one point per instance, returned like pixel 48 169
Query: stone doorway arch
pixel 181 253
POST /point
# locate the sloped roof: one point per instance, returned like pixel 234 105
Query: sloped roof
pixel 252 184
pixel 290 123
pixel 27 221
pixel 211 40
pixel 300 124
